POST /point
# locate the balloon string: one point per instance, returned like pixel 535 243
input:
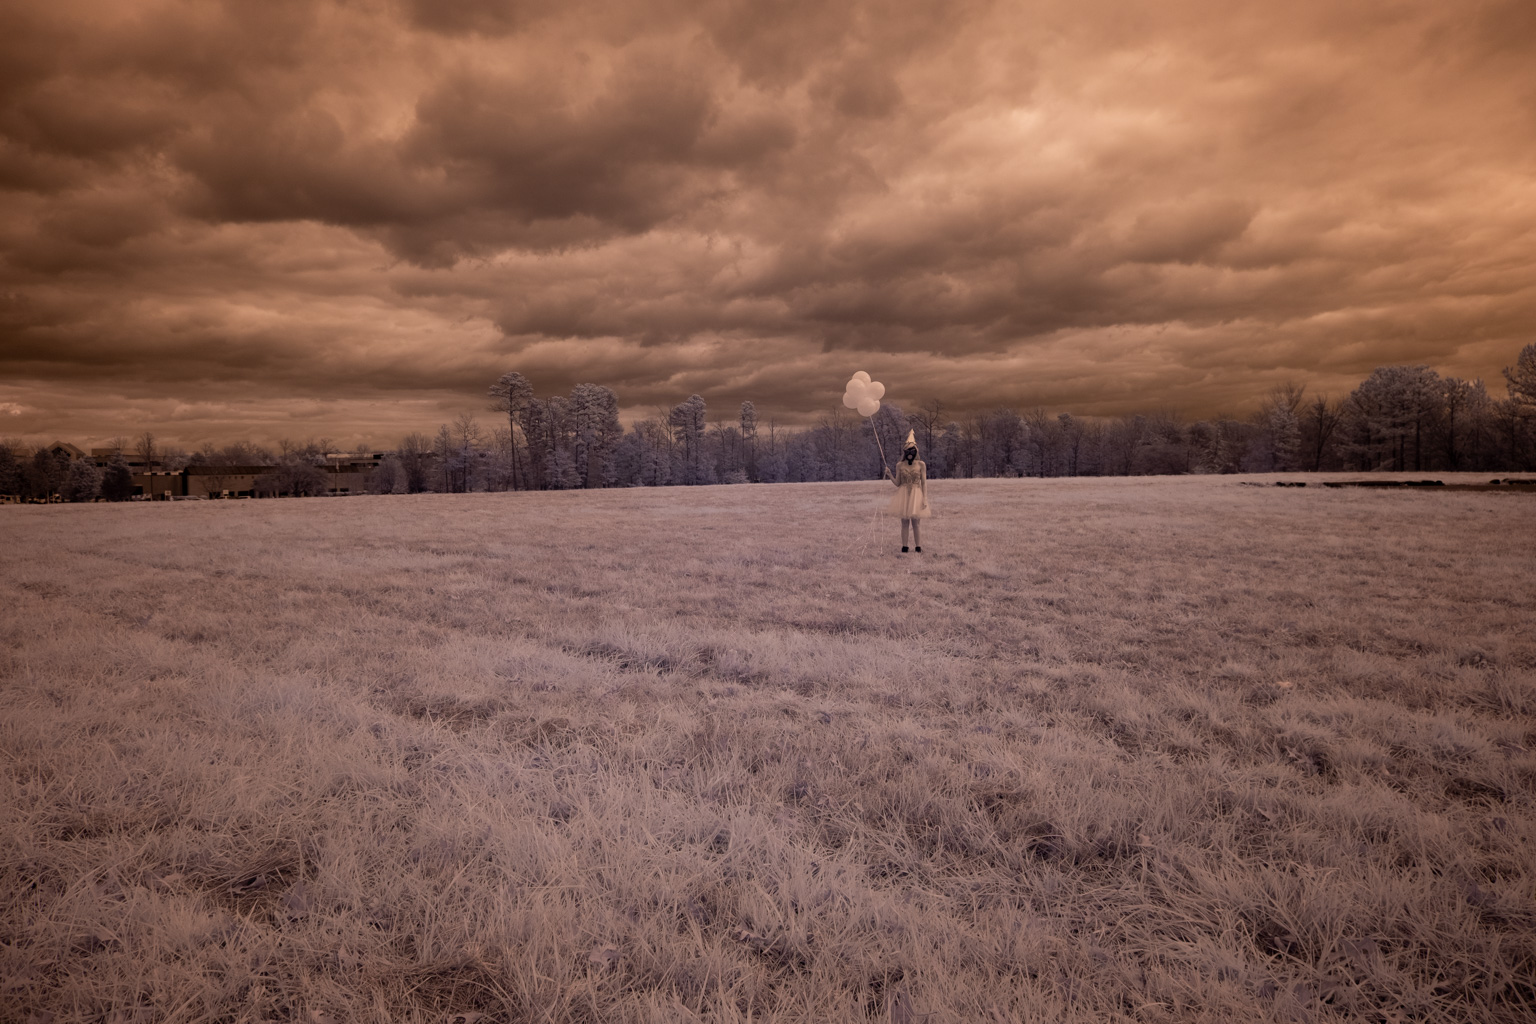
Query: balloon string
pixel 881 447
pixel 874 519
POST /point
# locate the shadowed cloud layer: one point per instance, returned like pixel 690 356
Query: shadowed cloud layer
pixel 348 216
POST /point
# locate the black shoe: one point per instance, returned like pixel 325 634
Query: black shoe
pixel 919 550
pixel 903 549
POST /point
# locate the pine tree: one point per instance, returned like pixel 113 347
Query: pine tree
pixel 688 418
pixel 749 441
pixel 1522 378
pixel 512 394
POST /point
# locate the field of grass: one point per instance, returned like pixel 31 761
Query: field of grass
pixel 1136 749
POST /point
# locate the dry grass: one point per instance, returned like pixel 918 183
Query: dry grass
pixel 1153 750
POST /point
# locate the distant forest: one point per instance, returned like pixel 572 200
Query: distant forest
pixel 1400 418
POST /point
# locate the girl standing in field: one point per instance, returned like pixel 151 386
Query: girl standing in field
pixel 911 500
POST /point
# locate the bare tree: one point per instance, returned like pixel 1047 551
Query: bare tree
pixel 1072 434
pixel 442 448
pixel 1318 424
pixel 928 417
pixel 467 439
pixel 413 453
pixel 146 450
pixel 244 453
pixel 1287 396
pixel 890 425
pixel 1457 397
pixel 211 462
pixel 387 478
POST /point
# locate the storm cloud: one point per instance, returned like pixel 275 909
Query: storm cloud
pixel 346 217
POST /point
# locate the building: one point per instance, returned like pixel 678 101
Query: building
pixel 349 473
pixel 344 473
pixel 159 484
pixel 204 481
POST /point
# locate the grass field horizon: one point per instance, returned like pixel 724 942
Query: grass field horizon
pixel 1141 749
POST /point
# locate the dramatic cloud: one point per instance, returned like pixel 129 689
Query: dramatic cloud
pixel 346 217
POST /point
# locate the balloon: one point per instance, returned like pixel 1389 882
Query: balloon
pixel 863 394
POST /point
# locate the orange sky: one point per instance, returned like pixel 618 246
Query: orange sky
pixel 345 218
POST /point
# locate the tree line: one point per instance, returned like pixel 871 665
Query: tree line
pixel 294 468
pixel 1400 418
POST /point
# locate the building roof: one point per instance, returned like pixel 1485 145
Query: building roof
pixel 67 449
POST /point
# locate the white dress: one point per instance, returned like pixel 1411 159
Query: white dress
pixel 911 500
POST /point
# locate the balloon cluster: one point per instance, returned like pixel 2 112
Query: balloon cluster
pixel 863 394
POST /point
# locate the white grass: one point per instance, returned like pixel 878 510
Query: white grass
pixel 1155 750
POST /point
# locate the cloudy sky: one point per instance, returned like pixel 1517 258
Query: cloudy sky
pixel 345 218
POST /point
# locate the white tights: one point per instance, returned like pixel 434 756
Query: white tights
pixel 917 537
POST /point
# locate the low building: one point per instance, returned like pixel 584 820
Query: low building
pixel 208 481
pixel 160 484
pixel 349 474
pixel 345 473
pixel 204 481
